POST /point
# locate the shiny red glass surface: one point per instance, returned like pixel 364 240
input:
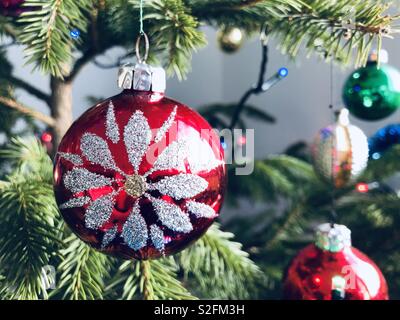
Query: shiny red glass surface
pixel 156 108
pixel 310 275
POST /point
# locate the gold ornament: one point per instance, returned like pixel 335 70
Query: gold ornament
pixel 230 39
pixel 340 152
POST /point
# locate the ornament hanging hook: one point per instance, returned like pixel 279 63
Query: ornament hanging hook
pixel 264 34
pixel 141 59
pixel 143 35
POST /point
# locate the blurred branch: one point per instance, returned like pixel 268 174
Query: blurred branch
pixel 115 64
pixel 10 31
pixel 79 65
pixel 289 219
pixel 148 293
pixel 28 111
pixel 247 3
pixel 30 89
pixel 46 32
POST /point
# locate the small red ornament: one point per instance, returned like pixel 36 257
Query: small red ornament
pixel 331 269
pixel 140 175
pixel 362 187
pixel 47 141
pixel 46 137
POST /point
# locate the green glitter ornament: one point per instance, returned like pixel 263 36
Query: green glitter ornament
pixel 372 92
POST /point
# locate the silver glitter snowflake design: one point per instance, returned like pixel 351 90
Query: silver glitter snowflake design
pixel 137 137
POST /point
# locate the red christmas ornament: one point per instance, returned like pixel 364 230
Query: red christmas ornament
pixel 140 175
pixel 331 269
pixel 47 141
pixel 362 187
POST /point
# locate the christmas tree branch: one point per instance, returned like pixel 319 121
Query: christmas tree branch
pixel 27 111
pixel 28 224
pixel 180 35
pixel 337 27
pixel 29 156
pixel 20 83
pixel 46 34
pixel 10 31
pixel 292 216
pixel 216 267
pixel 155 279
pixel 148 293
pixel 82 271
pixel 79 65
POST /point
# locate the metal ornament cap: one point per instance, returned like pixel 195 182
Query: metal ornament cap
pixel 142 77
pixel 382 55
pixel 333 238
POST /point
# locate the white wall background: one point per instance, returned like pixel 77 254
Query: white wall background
pixel 300 102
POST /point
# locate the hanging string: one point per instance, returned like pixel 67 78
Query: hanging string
pixel 333 214
pixel 331 84
pixel 141 31
pixel 142 34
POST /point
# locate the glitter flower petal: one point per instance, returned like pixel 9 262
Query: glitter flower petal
pixel 166 126
pixel 172 216
pixel 75 203
pixel 96 150
pixel 80 179
pixel 157 237
pixel 200 210
pixel 112 130
pixel 134 230
pixel 181 186
pixel 172 157
pixel 109 236
pixel 99 212
pixel 137 136
pixel 73 158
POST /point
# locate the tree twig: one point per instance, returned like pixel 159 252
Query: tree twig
pixel 247 3
pixel 145 268
pixel 20 83
pixel 115 64
pixel 28 111
pixel 79 64
pixel 292 215
pixel 10 31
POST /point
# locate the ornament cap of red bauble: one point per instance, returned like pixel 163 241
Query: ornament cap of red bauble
pixel 142 77
pixel 332 237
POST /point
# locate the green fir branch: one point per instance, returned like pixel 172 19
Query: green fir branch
pixel 216 267
pixel 82 271
pixel 175 32
pixel 272 178
pixel 46 32
pixel 28 155
pixel 29 228
pixel 28 235
pixel 149 280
